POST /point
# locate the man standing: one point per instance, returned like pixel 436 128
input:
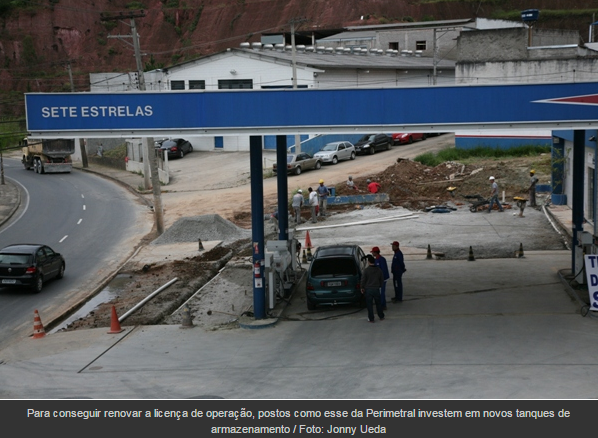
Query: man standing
pixel 297 204
pixel 397 268
pixel 532 188
pixel 313 204
pixel 371 282
pixel 494 196
pixel 323 194
pixel 381 263
pixel 373 186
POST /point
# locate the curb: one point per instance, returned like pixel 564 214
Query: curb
pixel 16 205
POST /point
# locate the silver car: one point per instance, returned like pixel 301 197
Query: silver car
pixel 336 151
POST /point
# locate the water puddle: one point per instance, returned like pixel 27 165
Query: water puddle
pixel 107 294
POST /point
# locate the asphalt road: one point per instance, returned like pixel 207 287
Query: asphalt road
pixel 94 223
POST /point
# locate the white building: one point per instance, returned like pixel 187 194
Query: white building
pixel 264 66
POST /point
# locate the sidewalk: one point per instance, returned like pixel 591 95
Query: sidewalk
pixel 491 328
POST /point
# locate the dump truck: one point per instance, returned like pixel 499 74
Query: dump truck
pixel 48 156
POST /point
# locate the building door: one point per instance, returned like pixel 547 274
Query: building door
pixel 219 142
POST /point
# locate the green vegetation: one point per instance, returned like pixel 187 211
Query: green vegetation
pixel 109 25
pixel 152 64
pixel 193 24
pixel 29 50
pixel 119 152
pixel 545 13
pixel 101 41
pixel 463 155
pixel 12 132
pixel 135 6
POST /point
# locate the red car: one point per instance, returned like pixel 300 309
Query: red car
pixel 407 137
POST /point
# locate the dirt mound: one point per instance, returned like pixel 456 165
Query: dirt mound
pixel 413 185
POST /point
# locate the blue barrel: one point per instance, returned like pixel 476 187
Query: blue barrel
pixel 332 191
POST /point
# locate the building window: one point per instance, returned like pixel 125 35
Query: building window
pixel 197 85
pixel 235 84
pixel 177 85
pixel 393 46
pixel 420 45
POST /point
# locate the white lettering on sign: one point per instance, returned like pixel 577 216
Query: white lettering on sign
pixel 592 277
pixel 96 111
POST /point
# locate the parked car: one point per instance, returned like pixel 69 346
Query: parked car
pixel 176 147
pixel 334 276
pixel 29 265
pixel 372 143
pixel 407 137
pixel 335 152
pixel 297 163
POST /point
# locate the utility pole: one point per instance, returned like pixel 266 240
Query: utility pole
pixel 294 64
pixel 151 153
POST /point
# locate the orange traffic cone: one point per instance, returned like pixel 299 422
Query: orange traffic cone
pixel 114 324
pixel 38 327
pixel 307 240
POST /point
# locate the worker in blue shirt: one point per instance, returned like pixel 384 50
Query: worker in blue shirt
pixel 381 263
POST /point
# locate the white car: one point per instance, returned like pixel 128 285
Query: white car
pixel 335 152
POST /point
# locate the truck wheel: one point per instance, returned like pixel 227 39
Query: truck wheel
pixel 36 166
pixel 26 164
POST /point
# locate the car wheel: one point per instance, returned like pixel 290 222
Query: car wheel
pixel 190 148
pixel 424 137
pixel 181 154
pixel 352 155
pixel 388 146
pixel 298 170
pixel 60 272
pixel 410 140
pixel 372 150
pixel 38 285
pixel 334 159
pixel 318 165
pixel 310 305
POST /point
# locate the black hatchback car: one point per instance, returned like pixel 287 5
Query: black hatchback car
pixel 29 265
pixel 176 147
pixel 334 276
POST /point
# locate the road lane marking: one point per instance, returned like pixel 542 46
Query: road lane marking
pixel 80 220
pixel 83 206
pixel 63 239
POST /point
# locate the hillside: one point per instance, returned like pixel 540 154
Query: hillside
pixel 40 42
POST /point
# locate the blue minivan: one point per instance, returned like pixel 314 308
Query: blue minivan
pixel 334 276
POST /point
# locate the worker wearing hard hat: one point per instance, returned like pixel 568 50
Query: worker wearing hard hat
pixel 494 195
pixel 323 194
pixel 532 187
pixel 297 204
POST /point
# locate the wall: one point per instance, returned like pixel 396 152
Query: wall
pixel 548 70
pixel 503 139
pixel 508 44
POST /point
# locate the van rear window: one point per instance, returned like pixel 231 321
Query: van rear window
pixel 333 267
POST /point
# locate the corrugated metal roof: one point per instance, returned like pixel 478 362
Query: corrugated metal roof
pixel 430 24
pixel 334 60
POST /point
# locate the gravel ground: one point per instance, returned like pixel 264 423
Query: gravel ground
pixel 207 227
